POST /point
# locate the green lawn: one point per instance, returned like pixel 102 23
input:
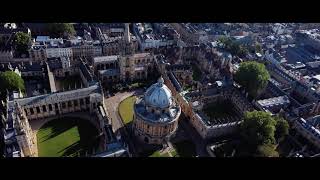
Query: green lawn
pixel 126 109
pixel 66 137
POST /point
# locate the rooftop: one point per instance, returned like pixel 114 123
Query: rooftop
pixel 105 59
pixel 59 96
pixel 274 101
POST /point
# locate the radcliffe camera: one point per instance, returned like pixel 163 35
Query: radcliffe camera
pixel 100 90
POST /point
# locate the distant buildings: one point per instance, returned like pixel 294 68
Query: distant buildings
pixel 309 38
pixel 309 129
pixel 123 67
pixel 149 39
pixel 274 104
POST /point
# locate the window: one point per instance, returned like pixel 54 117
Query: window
pixel 166 127
pixel 63 105
pixel 56 105
pixel 38 109
pixel 81 102
pixel 163 111
pixel 26 112
pixel 31 111
pixel 75 102
pixel 50 107
pixel 69 104
pixel 87 100
pixel 44 108
pixel 152 110
pixel 127 62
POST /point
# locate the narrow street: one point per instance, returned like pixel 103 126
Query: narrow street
pixel 112 104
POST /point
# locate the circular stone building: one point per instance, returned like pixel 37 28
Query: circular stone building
pixel 156 114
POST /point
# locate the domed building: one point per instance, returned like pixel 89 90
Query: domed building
pixel 156 114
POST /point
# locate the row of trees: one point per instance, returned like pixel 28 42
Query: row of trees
pixel 260 132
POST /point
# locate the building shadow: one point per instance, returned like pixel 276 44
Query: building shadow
pixel 72 150
pixel 57 126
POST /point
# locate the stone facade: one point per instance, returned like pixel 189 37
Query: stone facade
pixel 156 115
pixel 21 111
pixel 136 66
pixel 107 68
pixel 86 51
pixel 6 55
pixel 19 139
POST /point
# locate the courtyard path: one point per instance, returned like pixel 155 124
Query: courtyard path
pixel 112 104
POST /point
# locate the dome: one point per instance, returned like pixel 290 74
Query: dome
pixel 158 95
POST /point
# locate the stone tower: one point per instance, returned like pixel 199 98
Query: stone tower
pixel 127 33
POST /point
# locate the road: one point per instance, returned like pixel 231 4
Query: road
pixel 112 104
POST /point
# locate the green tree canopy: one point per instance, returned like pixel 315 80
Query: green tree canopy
pixel 233 47
pixel 11 81
pixel 258 48
pixel 267 150
pixel 258 128
pixel 21 42
pixel 282 128
pixel 259 132
pixel 58 30
pixel 253 76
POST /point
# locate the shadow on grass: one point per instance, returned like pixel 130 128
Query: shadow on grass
pixel 57 127
pixel 89 139
pixel 72 150
pixel 148 150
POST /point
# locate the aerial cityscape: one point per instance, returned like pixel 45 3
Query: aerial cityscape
pixel 159 90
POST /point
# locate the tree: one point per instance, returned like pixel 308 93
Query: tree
pixel 258 48
pixel 10 81
pixel 267 150
pixel 253 76
pixel 233 47
pixel 242 51
pixel 21 42
pixel 258 128
pixel 282 128
pixel 58 30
